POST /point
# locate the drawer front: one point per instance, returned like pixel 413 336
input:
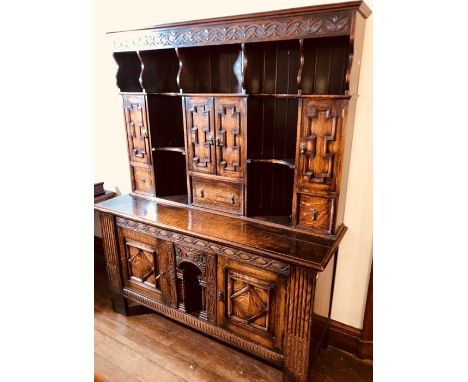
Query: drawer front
pixel 143 180
pixel 218 195
pixel 316 213
pixel 138 139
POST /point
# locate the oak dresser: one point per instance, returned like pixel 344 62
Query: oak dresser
pixel 239 134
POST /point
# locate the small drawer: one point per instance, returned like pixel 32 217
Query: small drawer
pixel 218 195
pixel 143 180
pixel 316 213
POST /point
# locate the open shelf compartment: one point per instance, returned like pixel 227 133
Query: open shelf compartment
pixel 167 141
pixel 211 69
pixel 270 192
pixel 309 66
pixel 160 68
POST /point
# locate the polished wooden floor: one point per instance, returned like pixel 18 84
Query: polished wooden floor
pixel 150 347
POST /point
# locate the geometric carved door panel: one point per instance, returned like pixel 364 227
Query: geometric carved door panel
pixel 230 132
pixel 251 302
pixel 319 152
pixel 248 301
pixel 137 129
pixel 200 134
pixel 142 265
pixel 148 266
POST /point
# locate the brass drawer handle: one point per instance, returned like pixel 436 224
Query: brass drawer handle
pixel 233 198
pixel 202 193
pixel 143 180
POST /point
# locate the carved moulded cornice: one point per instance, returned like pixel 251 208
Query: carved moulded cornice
pixel 281 28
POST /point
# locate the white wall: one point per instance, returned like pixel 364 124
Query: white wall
pixel 111 164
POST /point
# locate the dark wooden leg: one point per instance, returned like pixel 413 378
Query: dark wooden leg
pixel 299 324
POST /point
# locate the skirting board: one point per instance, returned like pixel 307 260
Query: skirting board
pixel 340 336
pixel 348 338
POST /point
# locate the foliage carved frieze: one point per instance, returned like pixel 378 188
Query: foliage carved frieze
pixel 281 28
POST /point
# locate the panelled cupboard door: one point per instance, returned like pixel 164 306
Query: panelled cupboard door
pixel 251 303
pixel 148 266
pixel 319 150
pixel 200 134
pixel 230 121
pixel 139 149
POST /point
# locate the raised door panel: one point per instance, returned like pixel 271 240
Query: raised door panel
pixel 139 148
pixel 251 303
pixel 148 266
pixel 319 151
pixel 230 125
pixel 200 134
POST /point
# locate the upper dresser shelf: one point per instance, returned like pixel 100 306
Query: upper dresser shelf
pixel 310 46
pixel 250 116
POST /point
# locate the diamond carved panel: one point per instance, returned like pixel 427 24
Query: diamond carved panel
pixel 248 301
pixel 141 263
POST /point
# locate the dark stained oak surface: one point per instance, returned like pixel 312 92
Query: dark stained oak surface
pixel 296 248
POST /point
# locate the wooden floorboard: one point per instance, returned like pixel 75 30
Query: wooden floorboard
pixel 150 347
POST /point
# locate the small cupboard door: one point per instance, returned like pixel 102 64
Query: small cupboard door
pixel 251 302
pixel 148 266
pixel 139 147
pixel 230 125
pixel 200 134
pixel 319 144
pixel 137 129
